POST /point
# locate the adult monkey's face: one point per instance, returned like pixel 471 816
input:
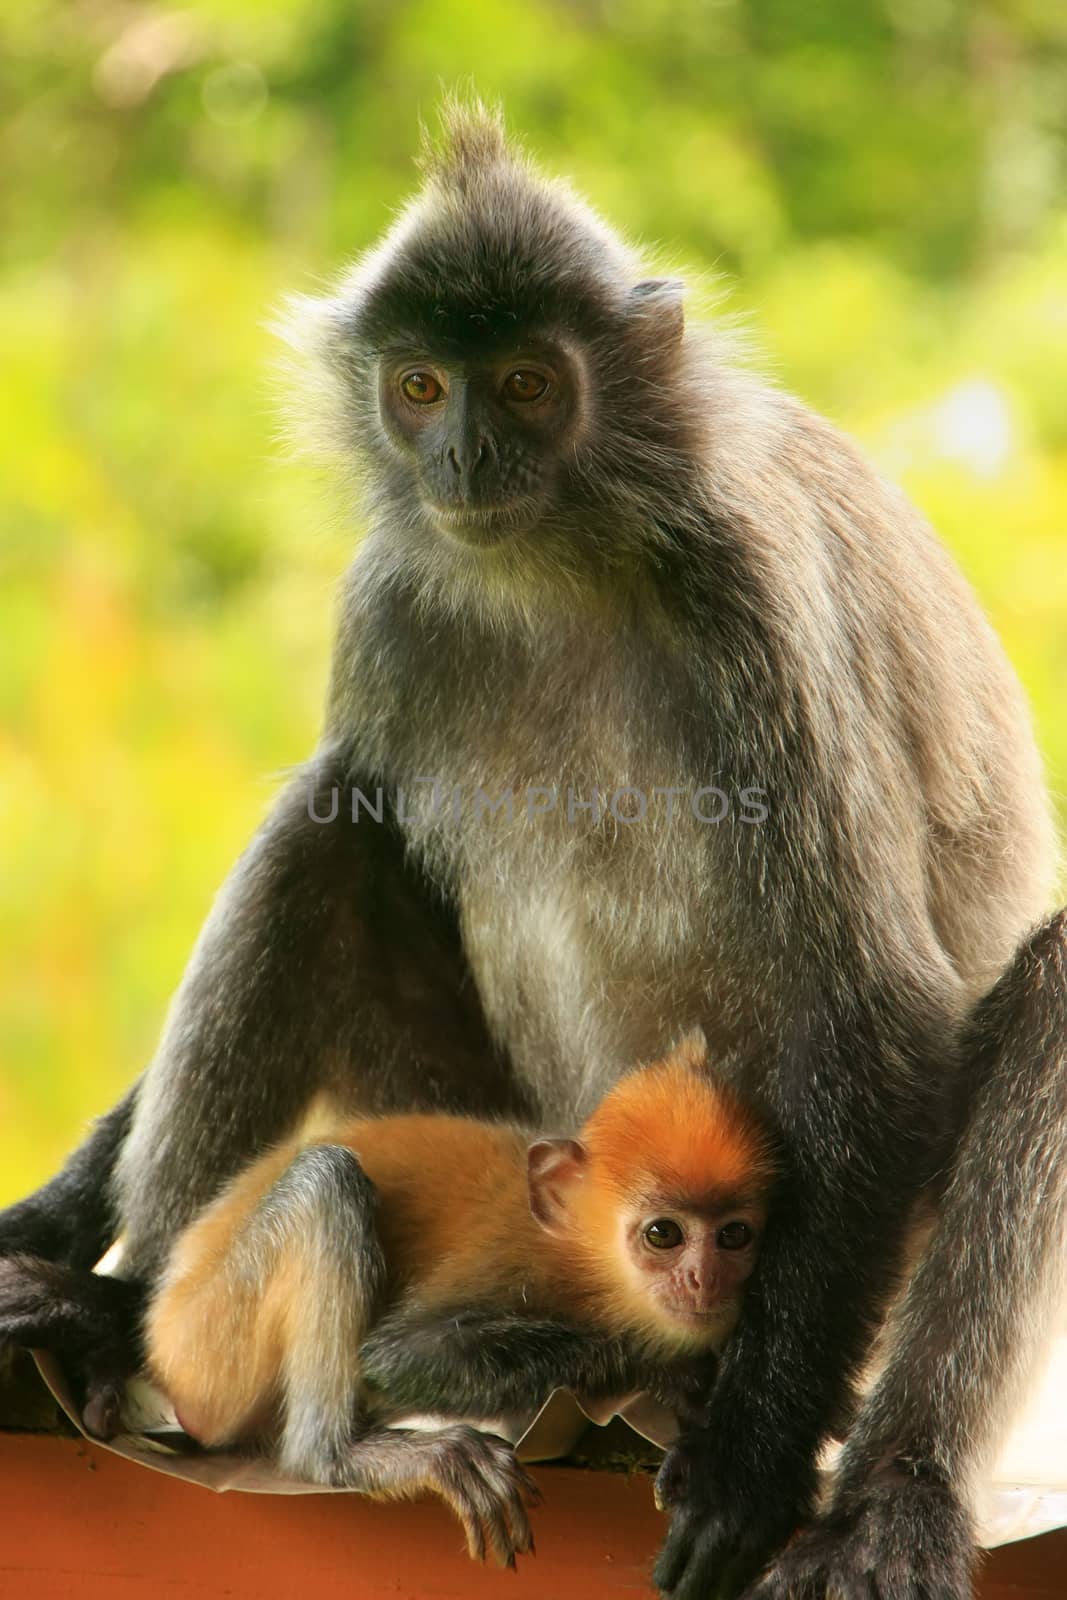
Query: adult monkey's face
pixel 485 435
pixel 504 374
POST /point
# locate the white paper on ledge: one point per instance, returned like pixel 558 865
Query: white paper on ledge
pixel 1026 1493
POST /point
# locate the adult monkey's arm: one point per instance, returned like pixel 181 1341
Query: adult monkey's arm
pixel 742 1483
pixel 327 966
pixel 988 1285
pixel 71 1219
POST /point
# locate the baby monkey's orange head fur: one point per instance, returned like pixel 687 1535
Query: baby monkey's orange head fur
pixel 660 1202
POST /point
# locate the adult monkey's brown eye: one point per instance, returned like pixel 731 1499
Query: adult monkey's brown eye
pixel 421 387
pixel 522 385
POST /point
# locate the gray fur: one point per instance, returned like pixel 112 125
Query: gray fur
pixel 477 1474
pixel 952 1377
pixel 323 1209
pixel 719 590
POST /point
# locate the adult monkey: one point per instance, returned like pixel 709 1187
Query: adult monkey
pixel 601 558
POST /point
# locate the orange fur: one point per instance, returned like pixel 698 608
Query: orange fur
pixel 455 1227
pixel 452 1208
pixel 665 1135
pixel 669 1130
pixel 214 1341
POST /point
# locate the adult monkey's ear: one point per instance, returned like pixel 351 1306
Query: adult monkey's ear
pixel 553 1167
pixel 656 305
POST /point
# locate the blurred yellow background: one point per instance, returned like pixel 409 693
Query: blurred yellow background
pixel 880 185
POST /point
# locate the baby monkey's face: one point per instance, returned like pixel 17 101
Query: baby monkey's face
pixel 691 1263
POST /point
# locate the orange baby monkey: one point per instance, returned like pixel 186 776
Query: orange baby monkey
pixel 442 1264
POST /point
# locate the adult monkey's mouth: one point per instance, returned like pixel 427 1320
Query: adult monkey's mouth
pixel 484 525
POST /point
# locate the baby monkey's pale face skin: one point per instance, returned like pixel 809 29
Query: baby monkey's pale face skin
pixel 691 1263
pixel 663 1247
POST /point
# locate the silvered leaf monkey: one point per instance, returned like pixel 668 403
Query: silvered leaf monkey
pixel 445 1264
pixel 611 587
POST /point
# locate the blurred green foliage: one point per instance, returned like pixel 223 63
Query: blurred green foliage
pixel 880 183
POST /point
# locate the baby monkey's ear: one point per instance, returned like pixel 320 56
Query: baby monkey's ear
pixel 553 1167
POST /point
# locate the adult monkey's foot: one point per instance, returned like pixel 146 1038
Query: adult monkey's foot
pixel 900 1538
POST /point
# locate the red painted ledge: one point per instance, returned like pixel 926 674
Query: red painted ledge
pixel 81 1524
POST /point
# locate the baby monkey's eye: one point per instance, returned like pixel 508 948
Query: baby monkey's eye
pixel 663 1234
pixel 523 385
pixel 422 387
pixel 734 1236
